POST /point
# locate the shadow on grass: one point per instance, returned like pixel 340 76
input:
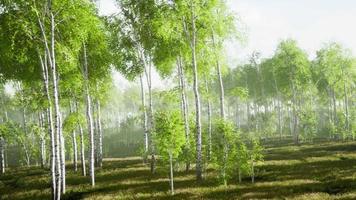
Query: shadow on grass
pixel 283 191
pixel 304 151
pixel 131 178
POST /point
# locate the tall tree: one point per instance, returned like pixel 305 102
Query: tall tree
pixel 293 73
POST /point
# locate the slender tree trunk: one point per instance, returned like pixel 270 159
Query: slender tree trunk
pixel 346 102
pixel 295 115
pixel 74 143
pixel 209 121
pixel 57 125
pixel 2 149
pixel 331 114
pixel 75 150
pixel 26 151
pixel 193 38
pixel 50 54
pixel 184 110
pixel 334 107
pixel 6 158
pixel 24 118
pixel 171 172
pixel 2 155
pixel 56 116
pixel 82 150
pixel 290 120
pixel 279 100
pixel 23 144
pixel 248 115
pixel 96 135
pixel 45 76
pixel 42 141
pixel 256 114
pixel 225 156
pixel 145 128
pixel 148 73
pixel 24 123
pixel 62 156
pixel 53 150
pixel 89 119
pixel 100 134
pixel 280 129
pixel 221 84
pixel 43 152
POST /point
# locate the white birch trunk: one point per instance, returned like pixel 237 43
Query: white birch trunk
pixel 346 102
pixel 82 145
pixel 62 156
pixel 57 125
pixel 43 152
pixel 75 150
pixel 96 135
pixel 45 75
pixel 42 141
pixel 100 134
pixel 171 173
pixel 199 164
pixel 280 127
pixel 50 54
pixel 209 121
pixel 184 109
pixel 144 111
pixel 74 143
pixel 220 80
pixel 2 155
pixel 89 120
pixel 148 73
pixel 82 150
pixel 295 114
pixel 334 109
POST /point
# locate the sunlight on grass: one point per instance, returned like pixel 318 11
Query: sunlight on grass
pixel 288 173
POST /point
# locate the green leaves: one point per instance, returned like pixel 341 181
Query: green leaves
pixel 292 66
pixel 332 67
pixel 72 120
pixel 11 131
pixel 169 133
pixel 224 146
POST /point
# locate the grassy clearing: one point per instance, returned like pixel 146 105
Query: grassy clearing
pixel 320 171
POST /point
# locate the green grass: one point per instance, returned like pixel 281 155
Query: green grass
pixel 320 171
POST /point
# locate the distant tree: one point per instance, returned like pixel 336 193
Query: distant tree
pixel 293 74
pixel 334 77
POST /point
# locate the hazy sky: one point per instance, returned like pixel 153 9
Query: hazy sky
pixel 310 22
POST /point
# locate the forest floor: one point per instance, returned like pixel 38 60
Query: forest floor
pixel 320 171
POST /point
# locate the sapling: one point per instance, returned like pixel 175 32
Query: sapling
pixel 255 157
pixel 223 148
pixel 169 138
